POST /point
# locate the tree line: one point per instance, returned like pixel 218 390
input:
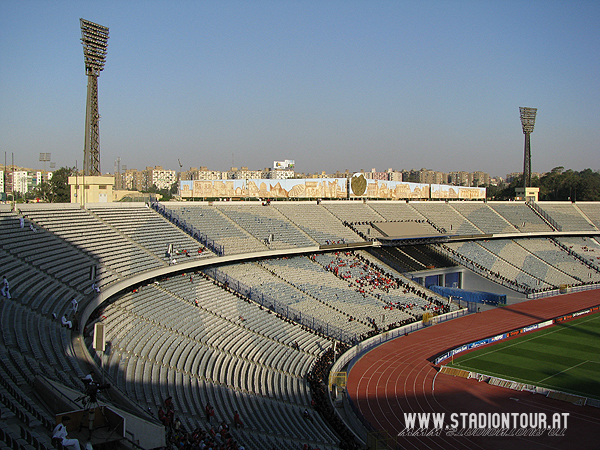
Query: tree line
pixel 557 185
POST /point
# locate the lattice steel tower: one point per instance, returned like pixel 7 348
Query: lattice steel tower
pixel 94 38
pixel 528 122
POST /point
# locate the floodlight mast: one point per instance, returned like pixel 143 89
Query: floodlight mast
pixel 94 38
pixel 527 122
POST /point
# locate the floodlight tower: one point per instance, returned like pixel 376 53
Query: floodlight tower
pixel 94 38
pixel 528 122
pixel 44 157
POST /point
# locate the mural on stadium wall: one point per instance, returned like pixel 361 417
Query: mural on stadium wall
pixel 457 192
pixel 324 188
pixel 393 190
pixel 287 188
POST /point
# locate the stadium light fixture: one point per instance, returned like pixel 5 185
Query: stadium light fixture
pixel 527 122
pixel 44 157
pixel 94 38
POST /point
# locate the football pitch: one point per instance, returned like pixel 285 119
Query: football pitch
pixel 564 357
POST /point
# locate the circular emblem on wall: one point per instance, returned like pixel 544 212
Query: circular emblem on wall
pixel 358 183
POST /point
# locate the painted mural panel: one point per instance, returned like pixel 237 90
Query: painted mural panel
pixel 443 191
pixel 324 188
pixel 393 190
pixel 264 188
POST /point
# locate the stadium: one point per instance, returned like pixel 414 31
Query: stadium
pixel 282 319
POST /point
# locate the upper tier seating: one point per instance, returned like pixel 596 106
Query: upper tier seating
pixel 444 216
pixel 568 216
pixel 150 230
pixel 218 227
pixel 316 221
pixel 396 211
pixel 48 253
pixel 353 212
pixel 86 232
pixel 262 222
pixel 484 217
pixel 591 211
pixel 521 216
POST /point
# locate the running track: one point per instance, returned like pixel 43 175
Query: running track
pixel 398 377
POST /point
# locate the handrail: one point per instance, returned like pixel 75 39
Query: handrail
pixel 190 229
pixel 276 306
pixel 538 209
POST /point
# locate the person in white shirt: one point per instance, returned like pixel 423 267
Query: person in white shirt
pixel 60 432
pixel 66 322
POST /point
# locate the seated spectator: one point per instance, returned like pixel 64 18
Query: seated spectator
pixel 59 435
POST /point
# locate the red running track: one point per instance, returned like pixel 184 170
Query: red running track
pixel 398 377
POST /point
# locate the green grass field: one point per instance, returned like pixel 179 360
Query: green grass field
pixel 564 357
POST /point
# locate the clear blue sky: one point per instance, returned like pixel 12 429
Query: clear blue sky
pixel 331 84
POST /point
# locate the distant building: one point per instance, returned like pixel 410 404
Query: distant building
pixel 431 177
pixel 323 174
pixel 203 174
pixel 245 174
pixel 374 175
pixel 279 174
pixel 345 174
pixel 20 181
pixel 161 178
pixel 40 177
pixel 394 175
pixel 480 179
pixel 134 180
pixel 410 176
pixel 460 178
pixel 143 180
